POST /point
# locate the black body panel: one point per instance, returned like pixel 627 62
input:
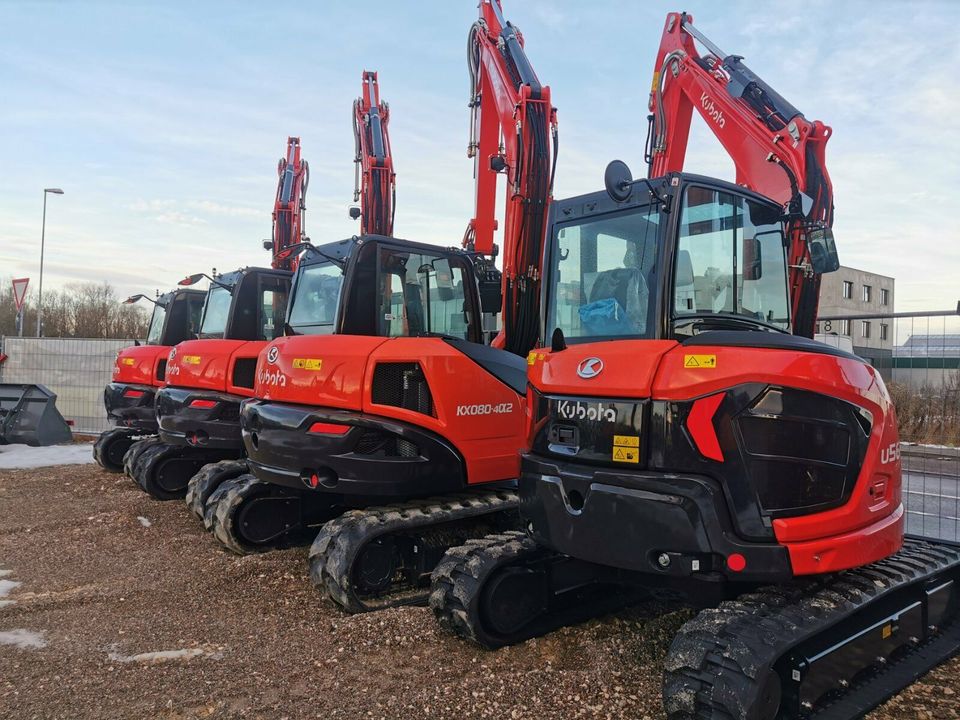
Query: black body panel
pixel 761 339
pixel 645 522
pixel 375 457
pixel 123 411
pixel 215 427
pixel 506 367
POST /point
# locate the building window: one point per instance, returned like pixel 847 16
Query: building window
pixel 866 293
pixel 865 328
pixel 847 289
pixel 884 296
pixel 844 327
pixel 884 331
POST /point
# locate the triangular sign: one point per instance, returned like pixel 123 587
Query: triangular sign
pixel 20 291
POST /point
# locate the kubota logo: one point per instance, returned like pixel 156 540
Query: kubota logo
pixel 274 378
pixel 272 354
pixel 576 410
pixel 590 367
pixel 716 115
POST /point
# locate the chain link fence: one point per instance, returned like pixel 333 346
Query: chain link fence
pixel 918 355
pixel 76 369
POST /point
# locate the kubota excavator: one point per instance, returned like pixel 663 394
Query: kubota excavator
pixel 423 414
pixel 206 378
pixel 689 441
pixel 319 306
pixel 139 371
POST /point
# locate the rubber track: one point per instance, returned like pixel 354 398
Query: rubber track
pixel 208 479
pixel 225 503
pixel 720 660
pixel 457 578
pixel 100 453
pixel 130 458
pixel 146 462
pixel 340 540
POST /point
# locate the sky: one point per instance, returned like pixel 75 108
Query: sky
pixel 163 122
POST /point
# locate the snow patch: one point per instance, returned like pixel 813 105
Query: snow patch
pixel 6 586
pixel 20 638
pixel 166 655
pixel 17 456
pixel 4 573
pixel 144 521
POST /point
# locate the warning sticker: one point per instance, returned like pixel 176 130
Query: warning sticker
pixel 307 363
pixel 191 359
pixel 700 361
pixel 128 361
pixel 626 448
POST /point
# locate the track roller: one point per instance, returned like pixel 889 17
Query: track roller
pixel 163 470
pixel 382 556
pixel 130 457
pixel 247 515
pixel 204 483
pixel 504 589
pixel 112 445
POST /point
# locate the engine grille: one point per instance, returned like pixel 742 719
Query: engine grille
pixel 402 385
pixel 244 370
pixel 374 442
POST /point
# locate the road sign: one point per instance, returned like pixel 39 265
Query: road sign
pixel 20 291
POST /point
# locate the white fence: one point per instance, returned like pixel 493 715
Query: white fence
pixel 76 369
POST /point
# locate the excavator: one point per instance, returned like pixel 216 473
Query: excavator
pixel 689 441
pixel 206 378
pixel 411 436
pixel 140 370
pixel 321 309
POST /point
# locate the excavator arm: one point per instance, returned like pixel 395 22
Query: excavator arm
pixel 375 180
pixel 777 152
pixel 289 207
pixel 513 131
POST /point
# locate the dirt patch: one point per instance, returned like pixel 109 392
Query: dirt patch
pixel 117 617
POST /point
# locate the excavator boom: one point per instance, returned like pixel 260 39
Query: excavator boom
pixel 290 206
pixel 375 180
pixel 777 152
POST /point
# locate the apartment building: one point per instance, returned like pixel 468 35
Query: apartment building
pixel 850 291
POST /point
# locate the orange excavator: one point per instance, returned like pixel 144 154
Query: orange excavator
pixel 690 442
pixel 411 434
pixel 206 378
pixel 139 371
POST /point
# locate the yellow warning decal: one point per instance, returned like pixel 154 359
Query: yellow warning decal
pixel 887 631
pixel 128 361
pixel 626 448
pixel 191 359
pixel 307 363
pixel 700 361
pixel 531 358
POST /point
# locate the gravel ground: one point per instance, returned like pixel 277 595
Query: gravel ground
pixel 126 608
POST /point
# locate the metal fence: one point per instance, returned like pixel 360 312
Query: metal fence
pixel 918 355
pixel 75 369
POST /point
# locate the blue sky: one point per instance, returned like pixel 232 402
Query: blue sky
pixel 163 122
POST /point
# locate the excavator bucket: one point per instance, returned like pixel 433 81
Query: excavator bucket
pixel 29 415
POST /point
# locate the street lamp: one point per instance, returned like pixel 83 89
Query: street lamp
pixel 43 233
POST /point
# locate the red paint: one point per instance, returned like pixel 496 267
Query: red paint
pixel 202 403
pixel 328 429
pixel 700 425
pixel 737 562
pixel 131 393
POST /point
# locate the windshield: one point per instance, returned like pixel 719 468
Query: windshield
pixel 156 325
pixel 731 260
pixel 602 274
pixel 315 299
pixel 215 313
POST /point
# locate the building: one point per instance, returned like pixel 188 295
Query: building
pixel 858 293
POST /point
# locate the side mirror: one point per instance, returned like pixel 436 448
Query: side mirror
pixel 133 298
pixel 752 259
pixel 823 250
pixel 192 279
pixel 618 180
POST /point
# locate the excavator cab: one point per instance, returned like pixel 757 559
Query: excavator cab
pixel 140 370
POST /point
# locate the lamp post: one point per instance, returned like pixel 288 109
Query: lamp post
pixel 43 233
